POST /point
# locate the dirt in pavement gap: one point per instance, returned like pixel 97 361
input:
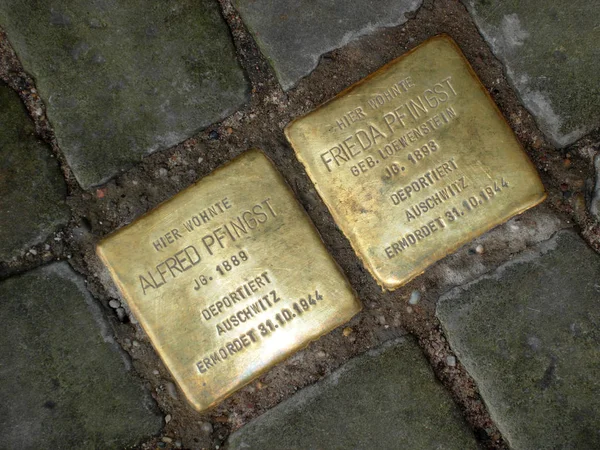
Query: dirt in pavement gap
pixel 101 210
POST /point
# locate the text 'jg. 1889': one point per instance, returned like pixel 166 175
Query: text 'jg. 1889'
pixel 227 278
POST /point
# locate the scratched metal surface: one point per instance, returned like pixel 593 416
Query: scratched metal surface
pixel 227 278
pixel 415 161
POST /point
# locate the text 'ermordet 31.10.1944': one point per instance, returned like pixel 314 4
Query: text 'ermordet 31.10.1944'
pixel 414 161
pixel 228 278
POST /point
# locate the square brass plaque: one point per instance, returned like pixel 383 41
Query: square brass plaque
pixel 227 278
pixel 414 161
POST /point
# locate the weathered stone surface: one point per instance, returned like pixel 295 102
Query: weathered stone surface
pixel 124 79
pixel 385 399
pixel 293 34
pixel 529 336
pixel 551 55
pixel 32 188
pixel 63 381
pixel 595 200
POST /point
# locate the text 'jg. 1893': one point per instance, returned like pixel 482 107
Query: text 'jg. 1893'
pixel 414 161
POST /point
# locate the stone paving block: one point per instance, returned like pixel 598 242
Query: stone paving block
pixel 529 334
pixel 32 188
pixel 124 79
pixel 64 383
pixel 551 53
pixel 595 200
pixel 385 399
pixel 293 34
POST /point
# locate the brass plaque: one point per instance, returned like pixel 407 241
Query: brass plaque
pixel 228 278
pixel 414 161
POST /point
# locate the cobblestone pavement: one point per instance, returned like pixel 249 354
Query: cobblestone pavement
pixel 108 110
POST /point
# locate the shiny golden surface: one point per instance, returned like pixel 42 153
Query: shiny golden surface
pixel 227 278
pixel 414 161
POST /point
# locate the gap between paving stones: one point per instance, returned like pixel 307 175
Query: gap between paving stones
pixel 99 212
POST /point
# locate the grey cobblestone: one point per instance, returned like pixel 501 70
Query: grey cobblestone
pixel 123 81
pixel 385 399
pixel 293 34
pixel 32 188
pixel 551 51
pixel 528 335
pixel 64 382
